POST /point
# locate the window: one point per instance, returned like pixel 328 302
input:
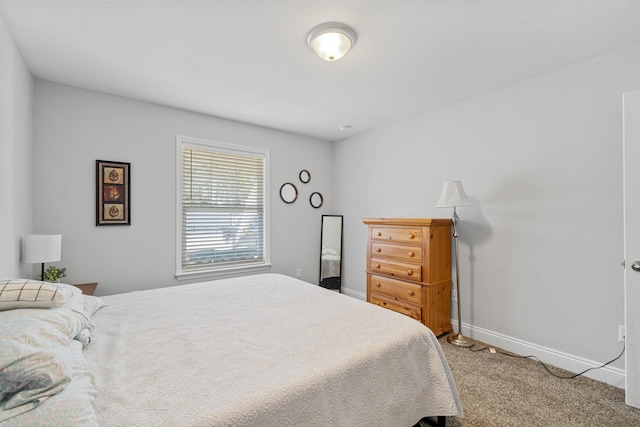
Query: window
pixel 222 209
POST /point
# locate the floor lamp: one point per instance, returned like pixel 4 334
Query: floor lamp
pixel 452 196
pixel 41 248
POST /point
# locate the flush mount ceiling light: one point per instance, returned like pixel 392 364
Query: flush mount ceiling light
pixel 331 40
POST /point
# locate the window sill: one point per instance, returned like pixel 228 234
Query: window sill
pixel 201 274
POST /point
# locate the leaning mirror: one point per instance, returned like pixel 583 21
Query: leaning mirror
pixel 331 252
pixel 288 192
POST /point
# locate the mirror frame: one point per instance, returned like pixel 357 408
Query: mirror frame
pixel 311 199
pixel 305 176
pixel 334 282
pixel 285 186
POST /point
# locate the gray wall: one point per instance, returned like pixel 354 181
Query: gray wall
pixel 541 161
pixel 75 127
pixel 16 147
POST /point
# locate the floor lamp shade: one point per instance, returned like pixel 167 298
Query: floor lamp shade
pixel 41 248
pixel 452 195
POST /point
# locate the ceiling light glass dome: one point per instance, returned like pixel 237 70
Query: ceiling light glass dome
pixel 331 40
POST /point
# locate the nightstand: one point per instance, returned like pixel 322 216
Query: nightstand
pixel 87 288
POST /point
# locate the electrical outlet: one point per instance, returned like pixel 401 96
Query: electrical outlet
pixel 299 273
pixel 454 295
pixel 622 333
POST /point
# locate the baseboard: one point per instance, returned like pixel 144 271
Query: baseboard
pixel 608 374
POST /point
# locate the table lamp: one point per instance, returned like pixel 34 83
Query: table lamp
pixel 42 248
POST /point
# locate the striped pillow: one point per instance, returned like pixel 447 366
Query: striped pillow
pixel 24 293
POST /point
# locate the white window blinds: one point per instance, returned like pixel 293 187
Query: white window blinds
pixel 223 207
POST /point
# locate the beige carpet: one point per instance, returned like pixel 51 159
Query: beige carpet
pixel 498 390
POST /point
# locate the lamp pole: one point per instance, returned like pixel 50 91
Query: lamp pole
pixel 458 339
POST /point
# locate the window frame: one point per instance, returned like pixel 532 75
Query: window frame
pixel 208 145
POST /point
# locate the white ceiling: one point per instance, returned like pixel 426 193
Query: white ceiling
pixel 248 60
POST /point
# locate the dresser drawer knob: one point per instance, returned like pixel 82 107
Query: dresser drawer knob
pixel 411 253
pixel 377 265
pixel 409 272
pixel 378 284
pixel 411 235
pixel 378 249
pixel 411 293
pixel 378 233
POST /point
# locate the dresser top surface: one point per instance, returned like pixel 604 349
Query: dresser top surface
pixel 407 221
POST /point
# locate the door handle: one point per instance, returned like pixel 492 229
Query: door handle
pixel 636 266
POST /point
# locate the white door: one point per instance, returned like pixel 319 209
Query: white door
pixel 631 125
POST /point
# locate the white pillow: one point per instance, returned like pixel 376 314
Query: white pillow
pixel 329 251
pixel 25 293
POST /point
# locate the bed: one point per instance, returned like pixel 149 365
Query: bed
pixel 262 350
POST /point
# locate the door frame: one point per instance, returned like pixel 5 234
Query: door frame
pixel 631 212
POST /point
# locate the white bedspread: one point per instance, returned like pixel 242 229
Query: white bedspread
pixel 264 350
pixel 329 266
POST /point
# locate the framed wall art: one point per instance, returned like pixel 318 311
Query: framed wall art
pixel 113 204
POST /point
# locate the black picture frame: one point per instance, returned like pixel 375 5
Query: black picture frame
pixel 113 194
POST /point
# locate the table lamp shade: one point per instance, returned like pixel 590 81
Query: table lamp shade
pixel 42 248
pixel 452 195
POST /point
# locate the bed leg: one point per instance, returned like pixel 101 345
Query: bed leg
pixel 439 421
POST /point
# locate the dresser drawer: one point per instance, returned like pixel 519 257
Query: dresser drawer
pixel 396 289
pixel 408 310
pixel 399 270
pixel 397 234
pixel 403 252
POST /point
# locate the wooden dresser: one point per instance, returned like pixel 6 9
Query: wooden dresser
pixel 409 268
